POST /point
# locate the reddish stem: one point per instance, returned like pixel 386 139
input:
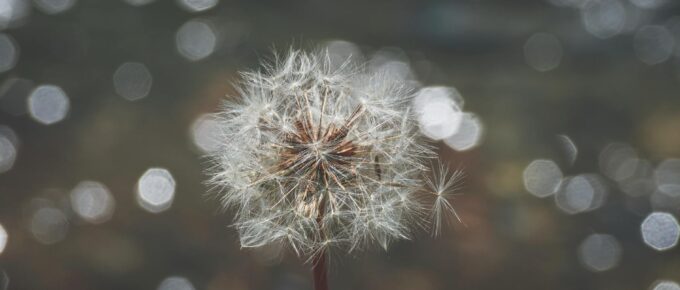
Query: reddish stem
pixel 320 267
pixel 320 274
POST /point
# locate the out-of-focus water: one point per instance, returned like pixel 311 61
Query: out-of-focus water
pixel 564 114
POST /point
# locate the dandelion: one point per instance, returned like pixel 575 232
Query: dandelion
pixel 320 157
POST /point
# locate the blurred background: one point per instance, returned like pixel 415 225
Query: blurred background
pixel 567 123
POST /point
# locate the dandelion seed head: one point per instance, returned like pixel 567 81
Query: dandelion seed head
pixel 316 155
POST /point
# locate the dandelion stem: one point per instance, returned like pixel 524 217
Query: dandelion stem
pixel 319 263
pixel 320 275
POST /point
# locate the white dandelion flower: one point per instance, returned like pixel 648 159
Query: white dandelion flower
pixel 317 156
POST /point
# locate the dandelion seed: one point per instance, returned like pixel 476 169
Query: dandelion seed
pixel 443 186
pixel 319 156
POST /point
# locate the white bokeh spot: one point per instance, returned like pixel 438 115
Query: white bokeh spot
pixel 660 231
pixel 48 104
pixel 156 190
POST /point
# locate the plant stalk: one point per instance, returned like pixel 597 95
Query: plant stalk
pixel 320 272
pixel 320 266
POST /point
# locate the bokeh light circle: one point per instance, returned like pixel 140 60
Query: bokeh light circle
pixel 9 52
pixel 469 134
pixel 196 40
pixel 156 190
pixel 48 104
pixel 132 81
pixel 600 252
pixel 205 133
pixel 92 201
pixel 665 285
pixel 54 6
pixel 543 52
pixel 542 177
pixel 197 5
pixel 176 283
pixel 604 18
pixel 49 225
pixel 8 153
pixel 653 44
pixel 4 237
pixel 660 231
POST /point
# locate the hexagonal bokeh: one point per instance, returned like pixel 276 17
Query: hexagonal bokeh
pixel 665 285
pixel 469 134
pixel 92 201
pixel 542 177
pixel 176 283
pixel 581 193
pixel 132 81
pixel 196 40
pixel 660 231
pixel 600 252
pixel 48 104
pixel 156 190
pixel 197 5
pixel 3 238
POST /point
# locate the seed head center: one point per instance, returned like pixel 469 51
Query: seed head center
pixel 322 156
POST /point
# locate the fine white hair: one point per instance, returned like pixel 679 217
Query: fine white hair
pixel 319 156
